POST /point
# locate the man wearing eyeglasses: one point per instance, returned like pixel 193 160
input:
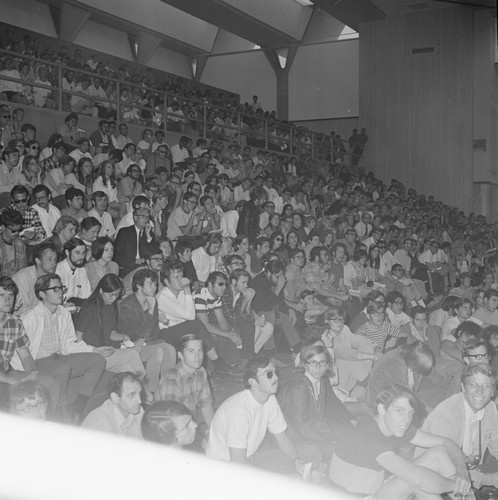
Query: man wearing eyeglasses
pixel 181 219
pixel 241 422
pixel 55 347
pixel 470 419
pixel 132 242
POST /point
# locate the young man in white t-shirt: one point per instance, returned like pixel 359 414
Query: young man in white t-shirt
pixel 240 424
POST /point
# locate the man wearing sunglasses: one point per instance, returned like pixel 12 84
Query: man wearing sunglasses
pixel 55 347
pixel 241 422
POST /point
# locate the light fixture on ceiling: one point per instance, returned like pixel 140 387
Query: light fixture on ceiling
pixel 306 3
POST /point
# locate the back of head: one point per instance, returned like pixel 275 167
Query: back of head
pixel 158 424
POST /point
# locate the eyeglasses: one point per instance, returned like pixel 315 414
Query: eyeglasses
pixel 478 357
pixel 269 374
pixel 318 364
pixel 380 314
pixel 5 116
pixel 34 147
pixel 475 387
pixel 399 302
pixel 56 289
pixel 339 320
pixel 279 239
pixel 41 198
pixel 14 231
pixel 223 283
pixel 22 200
pixel 158 258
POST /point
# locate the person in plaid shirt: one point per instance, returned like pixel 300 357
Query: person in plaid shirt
pixel 13 339
pixel 187 382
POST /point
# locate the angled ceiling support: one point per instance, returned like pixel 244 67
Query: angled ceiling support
pixel 147 45
pixel 281 66
pixel 197 65
pixel 72 20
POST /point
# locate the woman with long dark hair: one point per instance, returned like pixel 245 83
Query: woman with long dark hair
pixel 97 322
pixel 101 264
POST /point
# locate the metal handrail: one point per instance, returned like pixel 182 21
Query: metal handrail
pixel 294 145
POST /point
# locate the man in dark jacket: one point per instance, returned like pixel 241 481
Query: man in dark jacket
pixel 249 216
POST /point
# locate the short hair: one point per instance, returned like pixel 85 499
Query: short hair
pixel 229 260
pixel 152 249
pixel 390 393
pixel 418 310
pixel 295 251
pixel 157 422
pixel 257 193
pixel 183 342
pixel 213 238
pixel 41 188
pixel 274 266
pixel 64 221
pixel 140 276
pixel 468 328
pixel 10 217
pixel 168 268
pixel 117 381
pixel 138 200
pixel 73 243
pixel 483 368
pixel 473 343
pixel 98 245
pixel 43 282
pixel 28 126
pixel 98 194
pixel 372 297
pixel 72 193
pixel 211 279
pixel 18 189
pixel 181 246
pixel 260 241
pixel 490 293
pixel 375 307
pixel 238 273
pixel 392 296
pixel 418 357
pixel 43 247
pixel 8 284
pixel 89 222
pixel 260 360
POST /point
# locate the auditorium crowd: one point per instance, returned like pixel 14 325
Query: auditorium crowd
pixel 136 276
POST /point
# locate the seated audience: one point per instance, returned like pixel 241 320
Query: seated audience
pixel 12 248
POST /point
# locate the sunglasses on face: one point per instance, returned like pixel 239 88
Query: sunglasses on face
pixel 22 200
pixel 269 374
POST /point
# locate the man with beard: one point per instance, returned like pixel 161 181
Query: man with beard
pixel 73 274
pixel 204 258
pixel 122 413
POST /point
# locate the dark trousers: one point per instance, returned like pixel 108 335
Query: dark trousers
pixel 246 330
pixel 87 365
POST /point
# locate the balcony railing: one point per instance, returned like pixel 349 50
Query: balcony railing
pixel 69 89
